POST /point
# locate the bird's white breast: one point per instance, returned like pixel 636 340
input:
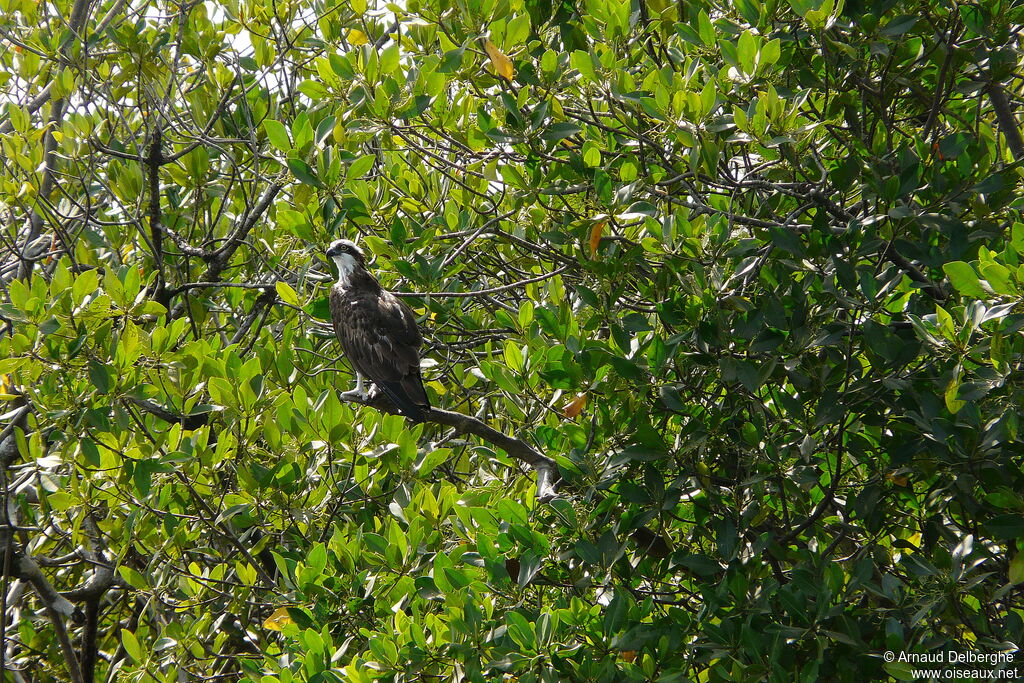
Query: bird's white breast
pixel 346 266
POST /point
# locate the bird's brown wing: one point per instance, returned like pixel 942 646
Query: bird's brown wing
pixel 381 339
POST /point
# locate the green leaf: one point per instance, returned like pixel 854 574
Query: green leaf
pixel 513 357
pixel 953 404
pixel 295 223
pixel 746 51
pixel 770 52
pixel 277 134
pixel 899 25
pixel 85 285
pixel 302 132
pixel 999 278
pixel 558 131
pixel 131 645
pixel 750 10
pixel 452 61
pixel 319 308
pixel 132 577
pixel 89 450
pixel 518 31
pixel 689 34
pixel 963 277
pixel 360 166
pixel 59 501
pixel 419 105
pixel 706 30
pixel 1017 568
pixel 301 170
pixel 143 476
pixel 99 375
pixel 901 671
pixel 1006 527
pixel 314 90
pixel 431 459
pixel 287 294
pixel 389 59
pixel 584 63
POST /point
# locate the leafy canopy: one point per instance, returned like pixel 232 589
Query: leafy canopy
pixel 749 273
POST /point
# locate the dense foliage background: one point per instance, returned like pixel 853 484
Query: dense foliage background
pixel 749 273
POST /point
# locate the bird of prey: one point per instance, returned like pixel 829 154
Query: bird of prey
pixel 377 332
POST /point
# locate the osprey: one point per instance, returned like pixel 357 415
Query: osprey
pixel 378 333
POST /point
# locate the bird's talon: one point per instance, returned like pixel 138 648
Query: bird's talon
pixel 354 395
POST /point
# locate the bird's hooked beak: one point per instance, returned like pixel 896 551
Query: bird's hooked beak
pixel 324 262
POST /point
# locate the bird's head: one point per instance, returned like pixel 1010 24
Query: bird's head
pixel 347 257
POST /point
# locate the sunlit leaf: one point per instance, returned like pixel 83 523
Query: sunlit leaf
pixel 596 233
pixel 278 620
pixel 277 134
pixel 501 63
pixel 574 407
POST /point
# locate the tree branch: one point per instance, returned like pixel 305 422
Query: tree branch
pixel 1007 121
pixel 58 608
pixel 222 256
pixel 483 292
pixel 153 161
pixel 191 421
pixel 79 12
pixel 547 470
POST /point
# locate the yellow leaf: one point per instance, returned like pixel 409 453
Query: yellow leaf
pixel 357 37
pixel 1017 568
pixel 278 620
pixel 595 236
pixel 502 64
pixel 952 402
pixel 575 406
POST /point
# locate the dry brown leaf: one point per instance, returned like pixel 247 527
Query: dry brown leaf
pixel 628 655
pixel 501 63
pixel 596 232
pixel 575 406
pixel 899 479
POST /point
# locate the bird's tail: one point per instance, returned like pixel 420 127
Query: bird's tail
pixel 399 395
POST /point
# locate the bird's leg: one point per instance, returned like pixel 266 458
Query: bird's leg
pixel 357 394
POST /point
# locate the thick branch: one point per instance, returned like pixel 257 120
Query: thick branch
pixel 547 471
pixel 484 292
pixel 223 255
pixel 79 12
pixel 153 161
pixel 210 285
pixel 8 441
pixel 191 421
pixel 912 271
pixel 58 608
pixel 1007 121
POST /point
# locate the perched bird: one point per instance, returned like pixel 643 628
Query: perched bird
pixel 378 333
